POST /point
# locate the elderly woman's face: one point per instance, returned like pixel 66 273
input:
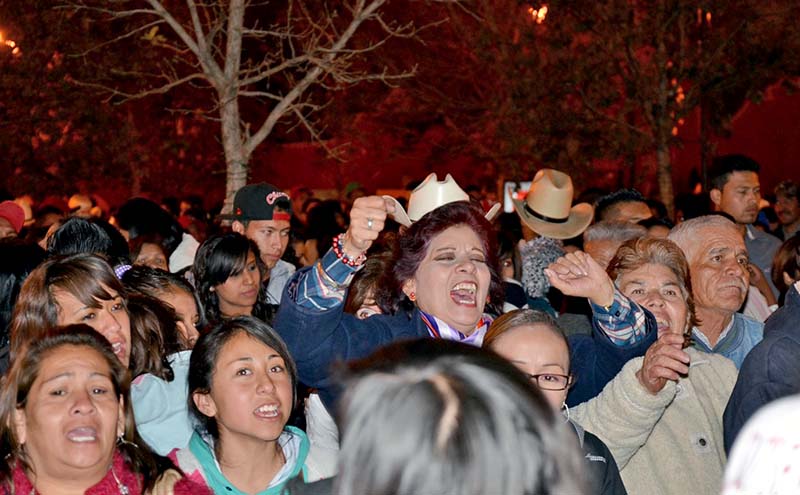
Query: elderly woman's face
pixel 656 288
pixel 108 317
pixel 72 417
pixel 452 281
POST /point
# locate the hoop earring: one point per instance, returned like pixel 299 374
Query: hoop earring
pixel 565 411
pixel 121 441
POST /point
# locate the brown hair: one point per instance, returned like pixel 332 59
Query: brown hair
pixel 636 253
pixel 520 317
pixel 787 259
pixel 87 277
pixel 154 336
pixel 24 372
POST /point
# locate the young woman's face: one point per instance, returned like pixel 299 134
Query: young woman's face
pixel 537 350
pixel 251 392
pixel 452 281
pixel 188 317
pixel 72 417
pixel 238 294
pixel 109 318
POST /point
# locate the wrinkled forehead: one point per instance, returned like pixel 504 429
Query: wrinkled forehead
pixel 715 239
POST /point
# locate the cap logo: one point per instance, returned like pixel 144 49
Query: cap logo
pixel 275 196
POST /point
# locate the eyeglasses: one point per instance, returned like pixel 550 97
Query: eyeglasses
pixel 550 381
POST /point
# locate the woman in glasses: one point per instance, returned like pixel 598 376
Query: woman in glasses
pixel 533 342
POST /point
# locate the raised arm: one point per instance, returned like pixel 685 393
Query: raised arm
pixel 578 274
pixel 324 286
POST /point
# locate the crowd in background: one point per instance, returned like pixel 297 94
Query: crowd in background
pixel 432 344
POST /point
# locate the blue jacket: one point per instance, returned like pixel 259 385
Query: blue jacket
pixel 771 369
pixel 596 360
pixel 317 339
pixel 742 337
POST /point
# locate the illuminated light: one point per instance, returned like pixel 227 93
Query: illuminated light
pixel 15 51
pixel 1 36
pixel 674 131
pixel 538 15
pixel 11 44
pixel 708 17
pixel 680 121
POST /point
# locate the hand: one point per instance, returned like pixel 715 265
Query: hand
pixel 664 360
pixel 578 274
pixel 367 219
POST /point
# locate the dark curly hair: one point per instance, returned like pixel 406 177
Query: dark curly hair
pixel 412 246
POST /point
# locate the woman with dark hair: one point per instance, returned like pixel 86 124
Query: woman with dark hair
pixel 66 423
pixel 81 288
pixel 228 272
pixel 148 250
pixel 159 366
pixel 173 290
pixel 786 266
pixel 431 416
pixel 534 343
pixel 444 272
pixel 17 259
pixel 241 388
pixel 662 413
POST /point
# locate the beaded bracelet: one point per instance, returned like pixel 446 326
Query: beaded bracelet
pixel 338 250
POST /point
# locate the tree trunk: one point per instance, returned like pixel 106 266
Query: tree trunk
pixel 236 158
pixel 664 173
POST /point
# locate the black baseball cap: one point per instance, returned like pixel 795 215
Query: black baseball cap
pixel 259 201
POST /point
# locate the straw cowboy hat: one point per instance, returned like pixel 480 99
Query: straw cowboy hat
pixel 428 196
pixel 546 209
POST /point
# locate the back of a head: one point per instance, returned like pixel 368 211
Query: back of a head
pixel 613 231
pixel 140 216
pixel 78 235
pixel 434 416
pixel 17 259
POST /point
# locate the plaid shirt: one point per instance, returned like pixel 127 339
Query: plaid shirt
pixel 623 321
pixel 325 285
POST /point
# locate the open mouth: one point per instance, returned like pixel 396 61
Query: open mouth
pixel 267 411
pixel 464 294
pixel 119 349
pixel 84 434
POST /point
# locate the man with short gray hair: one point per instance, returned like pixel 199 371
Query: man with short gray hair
pixel 601 240
pixel 718 265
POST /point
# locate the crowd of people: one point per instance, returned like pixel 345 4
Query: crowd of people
pixel 430 344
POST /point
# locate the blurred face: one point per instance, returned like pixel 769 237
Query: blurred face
pixel 151 255
pixel 631 211
pixel 602 251
pixel 185 307
pixel 719 269
pixel 658 232
pixel 271 237
pixel 72 417
pixel 787 209
pixel 739 197
pixel 537 350
pixel 109 318
pixel 6 230
pixel 368 307
pixel 452 281
pixel 658 289
pixel 251 393
pixel 507 267
pixel 238 294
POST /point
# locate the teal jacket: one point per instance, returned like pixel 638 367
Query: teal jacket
pixel 199 463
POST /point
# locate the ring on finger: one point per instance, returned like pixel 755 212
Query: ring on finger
pixel 369 223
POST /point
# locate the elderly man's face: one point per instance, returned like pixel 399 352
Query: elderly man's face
pixel 718 266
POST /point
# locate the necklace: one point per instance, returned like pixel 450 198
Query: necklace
pixel 123 490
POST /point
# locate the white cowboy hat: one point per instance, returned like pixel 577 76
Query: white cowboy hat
pixel 428 196
pixel 546 209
